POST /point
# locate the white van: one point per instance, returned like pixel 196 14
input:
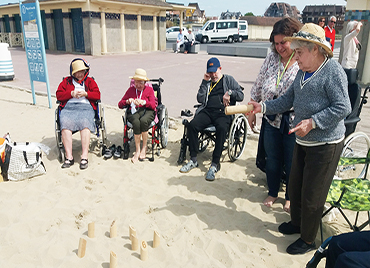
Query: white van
pixel 223 30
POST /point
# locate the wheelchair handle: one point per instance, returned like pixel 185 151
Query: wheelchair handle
pixel 160 80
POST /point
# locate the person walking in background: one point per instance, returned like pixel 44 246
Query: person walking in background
pixel 321 22
pixel 275 145
pixel 179 41
pixel 330 31
pixel 352 46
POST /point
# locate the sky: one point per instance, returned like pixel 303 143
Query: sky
pixel 257 7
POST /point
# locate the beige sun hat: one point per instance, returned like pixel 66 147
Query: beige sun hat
pixel 78 65
pixel 140 74
pixel 313 33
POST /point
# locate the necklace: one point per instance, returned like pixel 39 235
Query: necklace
pixel 286 66
pixel 212 87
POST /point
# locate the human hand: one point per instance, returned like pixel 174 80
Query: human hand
pixel 226 99
pixel 251 120
pixel 207 77
pixel 137 102
pixel 256 108
pixel 81 94
pixel 129 101
pixel 302 128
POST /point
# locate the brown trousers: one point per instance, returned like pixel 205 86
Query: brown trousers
pixel 312 172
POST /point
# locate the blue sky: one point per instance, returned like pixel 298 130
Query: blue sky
pixel 258 7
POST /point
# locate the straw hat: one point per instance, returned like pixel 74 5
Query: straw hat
pixel 313 33
pixel 78 65
pixel 140 74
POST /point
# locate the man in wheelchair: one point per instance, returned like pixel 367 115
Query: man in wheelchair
pixel 215 93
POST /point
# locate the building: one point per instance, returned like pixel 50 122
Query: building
pixel 198 16
pixel 95 27
pixel 313 13
pixel 282 10
pixel 230 15
pixel 260 28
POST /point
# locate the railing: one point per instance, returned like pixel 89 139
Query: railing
pixel 13 39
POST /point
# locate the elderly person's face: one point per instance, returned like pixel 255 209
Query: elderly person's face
pixel 306 59
pixel 139 84
pixel 80 74
pixel 332 22
pixel 282 47
pixel 216 75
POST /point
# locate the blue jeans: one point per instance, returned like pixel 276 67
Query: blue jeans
pixel 279 153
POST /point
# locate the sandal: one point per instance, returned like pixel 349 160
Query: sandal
pixel 84 163
pixel 67 163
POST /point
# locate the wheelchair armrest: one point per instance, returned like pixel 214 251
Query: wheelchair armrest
pixel 58 102
pixel 197 106
pixel 351 120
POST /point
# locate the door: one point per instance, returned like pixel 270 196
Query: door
pixel 59 29
pixel 44 29
pixel 78 31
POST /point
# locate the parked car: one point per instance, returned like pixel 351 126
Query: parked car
pixel 172 32
pixel 223 30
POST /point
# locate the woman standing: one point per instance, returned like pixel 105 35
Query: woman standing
pixel 78 94
pixel 351 46
pixel 320 99
pixel 276 75
pixel 141 103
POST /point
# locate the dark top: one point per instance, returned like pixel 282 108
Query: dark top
pixel 215 97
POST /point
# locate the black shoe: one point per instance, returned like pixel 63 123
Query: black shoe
pixel 118 152
pixel 84 163
pixel 109 152
pixel 300 247
pixel 288 228
pixel 67 163
pixel 186 112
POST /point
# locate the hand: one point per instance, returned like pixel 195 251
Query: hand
pixel 256 108
pixel 81 94
pixel 226 99
pixel 252 120
pixel 137 102
pixel 207 77
pixel 302 128
pixel 129 101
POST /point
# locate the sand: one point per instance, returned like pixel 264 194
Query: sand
pixel 200 224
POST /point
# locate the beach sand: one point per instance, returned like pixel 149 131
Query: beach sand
pixel 201 224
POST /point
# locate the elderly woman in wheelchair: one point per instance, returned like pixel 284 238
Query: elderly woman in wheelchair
pixel 77 95
pixel 141 104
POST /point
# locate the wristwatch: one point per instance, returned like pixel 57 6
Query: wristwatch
pixel 229 92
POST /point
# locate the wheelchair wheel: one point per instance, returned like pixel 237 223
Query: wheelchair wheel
pixel 164 127
pixel 203 142
pixel 237 137
pixel 355 145
pixel 58 137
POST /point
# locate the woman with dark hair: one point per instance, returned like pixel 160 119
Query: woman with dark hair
pixel 321 22
pixel 275 148
pixel 78 94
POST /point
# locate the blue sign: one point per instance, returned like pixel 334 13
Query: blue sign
pixel 36 60
pixel 34 44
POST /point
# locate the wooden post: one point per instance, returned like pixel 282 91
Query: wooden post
pixel 132 231
pixel 113 260
pixel 156 239
pixel 134 242
pixel 81 248
pixel 91 230
pixel 113 229
pixel 143 251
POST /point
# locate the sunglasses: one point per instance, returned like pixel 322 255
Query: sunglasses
pixel 333 21
pixel 322 20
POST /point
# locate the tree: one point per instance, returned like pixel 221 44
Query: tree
pixel 249 14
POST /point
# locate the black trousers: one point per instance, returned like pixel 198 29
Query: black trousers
pixel 202 120
pixel 313 169
pixel 349 250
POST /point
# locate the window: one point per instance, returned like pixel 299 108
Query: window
pixel 243 27
pixel 210 26
pixel 17 22
pixel 232 24
pixel 221 25
pixel 6 23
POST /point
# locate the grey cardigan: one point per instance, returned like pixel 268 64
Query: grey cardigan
pixel 323 97
pixel 228 83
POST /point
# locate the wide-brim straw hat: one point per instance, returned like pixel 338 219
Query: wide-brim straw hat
pixel 78 65
pixel 140 74
pixel 313 33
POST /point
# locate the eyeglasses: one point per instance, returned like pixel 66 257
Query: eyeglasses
pixel 333 21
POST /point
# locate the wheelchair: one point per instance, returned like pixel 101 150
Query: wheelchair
pixel 158 129
pixel 100 132
pixel 235 142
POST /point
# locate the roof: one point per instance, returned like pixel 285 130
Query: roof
pixel 261 21
pixel 141 2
